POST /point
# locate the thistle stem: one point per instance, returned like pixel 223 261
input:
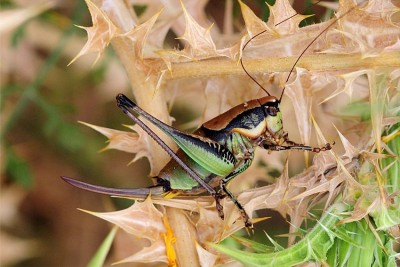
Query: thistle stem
pixel 318 62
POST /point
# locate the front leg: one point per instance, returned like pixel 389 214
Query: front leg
pixel 299 147
pixel 294 145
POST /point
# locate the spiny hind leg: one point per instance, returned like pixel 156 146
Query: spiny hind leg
pixel 245 216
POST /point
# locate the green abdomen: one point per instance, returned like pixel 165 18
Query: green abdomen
pixel 179 179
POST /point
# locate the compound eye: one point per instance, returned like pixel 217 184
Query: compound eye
pixel 272 111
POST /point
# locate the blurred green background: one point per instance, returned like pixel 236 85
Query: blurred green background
pixel 41 101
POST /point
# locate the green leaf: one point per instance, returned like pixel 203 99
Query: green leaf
pixel 139 9
pixel 18 35
pixel 70 138
pixel 369 245
pixel 18 169
pixel 389 215
pixel 346 233
pixel 257 247
pixel 348 252
pixel 358 109
pixel 345 248
pixel 102 252
pixel 332 255
pixel 313 247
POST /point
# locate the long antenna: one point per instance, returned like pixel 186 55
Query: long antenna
pixel 255 36
pixel 311 43
pixel 258 34
pixel 298 59
pixel 245 70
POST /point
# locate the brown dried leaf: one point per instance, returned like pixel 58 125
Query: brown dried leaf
pixel 254 25
pixel 381 9
pixel 350 151
pixel 139 34
pixel 173 13
pixel 100 34
pixel 157 37
pixel 394 47
pixel 206 258
pixel 330 5
pixel 208 224
pixel 378 98
pixel 120 140
pixel 301 99
pixel 367 30
pixel 151 254
pixel 340 161
pixel 272 196
pixel 264 163
pixel 198 38
pixel 348 88
pixel 129 142
pixel 141 219
pixel 223 93
pixel 143 150
pixel 199 43
pixel 281 11
pixel 364 205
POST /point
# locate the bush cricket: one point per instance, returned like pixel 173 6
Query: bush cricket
pixel 218 151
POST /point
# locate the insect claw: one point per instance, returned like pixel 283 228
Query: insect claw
pixel 248 223
pixel 249 227
pixel 327 146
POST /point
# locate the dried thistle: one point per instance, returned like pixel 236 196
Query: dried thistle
pixel 356 60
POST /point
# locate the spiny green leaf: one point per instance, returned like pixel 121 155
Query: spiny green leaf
pixel 345 248
pixel 257 247
pixel 349 252
pixel 369 244
pixel 276 245
pixel 389 215
pixel 313 247
pixel 346 234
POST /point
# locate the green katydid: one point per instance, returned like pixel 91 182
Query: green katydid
pixel 215 153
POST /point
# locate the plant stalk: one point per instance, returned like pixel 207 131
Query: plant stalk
pixel 154 102
pixel 319 62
